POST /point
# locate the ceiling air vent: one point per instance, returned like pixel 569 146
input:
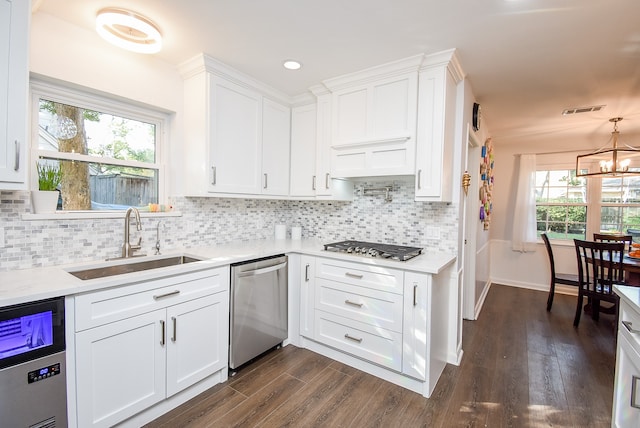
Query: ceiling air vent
pixel 576 110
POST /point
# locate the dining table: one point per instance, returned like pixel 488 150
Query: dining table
pixel 631 267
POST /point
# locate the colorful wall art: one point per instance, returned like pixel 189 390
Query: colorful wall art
pixel 486 183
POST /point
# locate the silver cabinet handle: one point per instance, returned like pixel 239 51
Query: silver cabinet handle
pixel 355 339
pixel 162 296
pixel 634 391
pixel 419 179
pixel 629 326
pixel 313 183
pixel 162 338
pixel 326 181
pixel 213 175
pixel 16 163
pixel 415 294
pixel 265 180
pixel 175 334
pixel 306 272
pixel 349 302
pixel 353 275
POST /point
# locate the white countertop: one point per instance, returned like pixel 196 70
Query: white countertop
pixel 631 295
pixel 26 285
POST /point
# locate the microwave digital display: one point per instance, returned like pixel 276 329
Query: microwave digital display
pixel 26 333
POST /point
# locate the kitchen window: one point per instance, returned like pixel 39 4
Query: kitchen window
pixel 107 151
pixel 563 213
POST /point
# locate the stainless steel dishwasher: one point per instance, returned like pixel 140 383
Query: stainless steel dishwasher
pixel 258 308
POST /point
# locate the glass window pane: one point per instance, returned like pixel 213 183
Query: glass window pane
pixel 92 186
pixel 72 129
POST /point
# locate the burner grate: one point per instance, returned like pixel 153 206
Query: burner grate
pixel 372 249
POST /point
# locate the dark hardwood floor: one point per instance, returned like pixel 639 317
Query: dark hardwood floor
pixel 522 367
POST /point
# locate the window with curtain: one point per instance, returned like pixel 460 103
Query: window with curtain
pixel 561 204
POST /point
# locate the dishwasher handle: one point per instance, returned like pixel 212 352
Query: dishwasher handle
pixel 261 271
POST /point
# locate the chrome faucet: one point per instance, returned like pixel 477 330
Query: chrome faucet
pixel 127 248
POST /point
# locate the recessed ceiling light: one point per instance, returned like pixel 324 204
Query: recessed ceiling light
pixel 128 30
pixel 291 64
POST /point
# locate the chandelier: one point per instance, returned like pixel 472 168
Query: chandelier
pixel 610 162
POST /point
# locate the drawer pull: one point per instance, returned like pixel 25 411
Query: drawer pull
pixel 354 275
pixel 634 391
pixel 162 296
pixel 349 302
pixel 175 334
pixel 162 337
pixel 355 339
pixel 629 326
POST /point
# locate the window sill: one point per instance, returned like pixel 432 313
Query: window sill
pixel 88 215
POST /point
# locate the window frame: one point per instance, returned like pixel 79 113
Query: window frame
pixel 585 204
pixel 66 93
pixel 594 202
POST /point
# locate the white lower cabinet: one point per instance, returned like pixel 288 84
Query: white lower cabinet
pixel 416 323
pixel 626 391
pixel 376 319
pixel 307 295
pixel 120 369
pixel 127 365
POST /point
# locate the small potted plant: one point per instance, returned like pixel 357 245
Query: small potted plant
pixel 45 200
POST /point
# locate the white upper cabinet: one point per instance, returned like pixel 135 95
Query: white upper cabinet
pixel 14 78
pixel 303 151
pixel 438 83
pixel 276 142
pixel 237 137
pixel 374 120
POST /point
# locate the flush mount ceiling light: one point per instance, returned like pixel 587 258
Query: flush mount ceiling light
pixel 128 30
pixel 613 162
pixel 291 64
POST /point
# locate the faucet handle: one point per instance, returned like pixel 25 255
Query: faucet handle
pixel 138 245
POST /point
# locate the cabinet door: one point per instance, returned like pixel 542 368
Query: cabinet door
pixel 303 151
pixel 197 340
pixel 307 295
pixel 323 148
pixel 435 139
pixel 120 369
pixel 415 335
pixel 236 138
pixel 14 30
pixel 626 396
pixel 276 137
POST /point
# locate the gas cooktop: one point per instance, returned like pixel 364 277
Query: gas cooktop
pixel 371 249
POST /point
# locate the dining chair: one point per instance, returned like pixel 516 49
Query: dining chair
pixel 556 278
pixel 607 237
pixel 599 269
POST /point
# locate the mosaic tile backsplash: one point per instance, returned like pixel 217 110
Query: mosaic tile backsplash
pixel 210 221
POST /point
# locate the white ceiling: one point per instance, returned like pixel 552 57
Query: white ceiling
pixel 527 60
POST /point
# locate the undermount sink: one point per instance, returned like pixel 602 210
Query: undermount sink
pixel 126 266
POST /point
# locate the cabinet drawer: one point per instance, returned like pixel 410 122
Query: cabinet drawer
pixel 630 325
pixel 377 345
pixel 374 277
pixel 106 306
pixel 377 308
